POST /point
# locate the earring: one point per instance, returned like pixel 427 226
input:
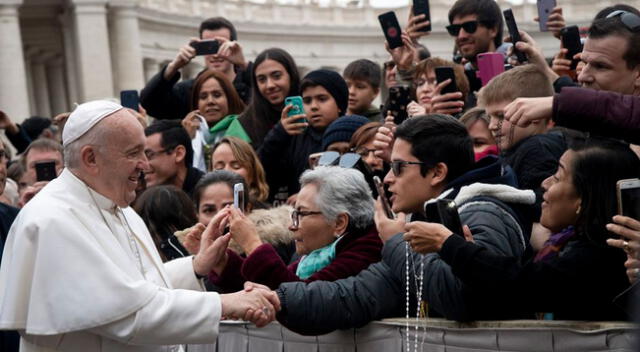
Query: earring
pixel 578 210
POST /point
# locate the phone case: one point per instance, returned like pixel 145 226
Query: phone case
pixel 206 47
pixel 391 29
pixel 298 107
pixel 421 7
pixel 130 99
pixel 489 66
pixel 628 192
pixel 399 98
pixel 443 74
pixel 544 9
pixel 571 41
pixel 514 33
pixel 445 212
pixel 45 171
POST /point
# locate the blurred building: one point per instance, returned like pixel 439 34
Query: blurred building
pixel 54 53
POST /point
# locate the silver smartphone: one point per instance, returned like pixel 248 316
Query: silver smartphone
pixel 628 192
pixel 238 196
pixel 544 9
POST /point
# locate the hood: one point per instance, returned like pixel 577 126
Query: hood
pixel 488 170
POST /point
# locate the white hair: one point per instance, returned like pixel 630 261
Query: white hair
pixel 341 190
pixel 94 136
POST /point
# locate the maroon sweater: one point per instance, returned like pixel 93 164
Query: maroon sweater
pixel 355 252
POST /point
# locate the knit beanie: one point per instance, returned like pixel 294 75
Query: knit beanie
pixel 342 129
pixel 333 83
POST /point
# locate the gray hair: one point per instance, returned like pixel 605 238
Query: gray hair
pixel 341 190
pixel 94 136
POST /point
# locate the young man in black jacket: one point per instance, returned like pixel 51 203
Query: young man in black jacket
pixel 165 98
pixel 432 157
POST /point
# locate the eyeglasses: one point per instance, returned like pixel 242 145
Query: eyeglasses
pixel 389 65
pixel 150 154
pixel 469 27
pixel 397 165
pixel 630 20
pixel 364 152
pixel 346 160
pixel 297 214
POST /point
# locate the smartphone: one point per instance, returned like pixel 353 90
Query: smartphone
pixel 391 29
pixel 399 98
pixel 514 33
pixel 571 41
pixel 445 212
pixel 238 196
pixel 628 192
pixel 206 47
pixel 443 74
pixel 298 107
pixel 130 99
pixel 489 66
pixel 544 9
pixel 383 197
pixel 46 170
pixel 421 7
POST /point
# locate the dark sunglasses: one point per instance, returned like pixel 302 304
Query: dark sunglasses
pixel 397 165
pixel 469 27
pixel 389 65
pixel 346 160
pixel 630 20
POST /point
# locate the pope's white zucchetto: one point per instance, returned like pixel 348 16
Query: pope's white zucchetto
pixel 86 116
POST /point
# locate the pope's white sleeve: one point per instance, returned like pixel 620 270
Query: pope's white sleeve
pixel 181 274
pixel 171 317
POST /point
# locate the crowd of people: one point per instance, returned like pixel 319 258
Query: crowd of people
pixel 253 193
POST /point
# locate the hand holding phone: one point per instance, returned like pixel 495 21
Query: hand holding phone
pixel 510 20
pixel 443 74
pixel 544 9
pixel 45 170
pixel 628 192
pixel 570 37
pixel 386 206
pixel 445 212
pixel 421 7
pixel 399 98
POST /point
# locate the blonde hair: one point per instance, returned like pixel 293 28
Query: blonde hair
pixel 522 81
pixel 247 157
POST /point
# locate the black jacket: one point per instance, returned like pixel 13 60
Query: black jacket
pixel 285 158
pixel 379 291
pixel 167 100
pixel 193 176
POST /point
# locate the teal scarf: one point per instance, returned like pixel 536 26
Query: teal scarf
pixel 317 260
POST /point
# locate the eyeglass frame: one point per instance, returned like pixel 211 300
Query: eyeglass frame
pixel 151 154
pixel 626 17
pixel 397 165
pixel 297 214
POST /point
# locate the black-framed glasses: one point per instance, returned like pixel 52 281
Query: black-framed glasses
pixel 363 151
pixel 397 165
pixel 150 154
pixel 630 20
pixel 297 214
pixel 469 27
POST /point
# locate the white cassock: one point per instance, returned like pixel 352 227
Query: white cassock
pixel 79 273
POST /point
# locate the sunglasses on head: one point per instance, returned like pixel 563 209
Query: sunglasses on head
pixel 630 20
pixel 469 27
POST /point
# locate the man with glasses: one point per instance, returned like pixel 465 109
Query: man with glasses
pixel 432 157
pixel 168 149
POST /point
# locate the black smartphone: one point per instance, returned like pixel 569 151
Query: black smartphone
pixel 45 170
pixel 445 212
pixel 628 192
pixel 391 29
pixel 421 7
pixel 514 33
pixel 386 206
pixel 130 99
pixel 571 41
pixel 443 74
pixel 206 47
pixel 399 98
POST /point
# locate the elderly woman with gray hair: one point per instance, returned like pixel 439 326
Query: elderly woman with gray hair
pixel 333 230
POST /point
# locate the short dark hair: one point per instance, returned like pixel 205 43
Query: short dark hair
pixel 605 27
pixel 35 125
pixel 43 144
pixel 423 52
pixel 609 9
pixel 438 138
pixel 488 13
pixel 173 135
pixel 218 176
pixel 597 167
pixel 214 23
pixel 364 70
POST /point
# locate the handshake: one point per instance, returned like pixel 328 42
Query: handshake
pixel 256 303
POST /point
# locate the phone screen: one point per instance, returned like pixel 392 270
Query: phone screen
pixel 630 199
pixel 238 196
pixel 130 99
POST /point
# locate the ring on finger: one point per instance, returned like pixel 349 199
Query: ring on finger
pixel 266 310
pixel 625 246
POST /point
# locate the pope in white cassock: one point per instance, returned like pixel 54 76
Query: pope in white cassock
pixel 80 271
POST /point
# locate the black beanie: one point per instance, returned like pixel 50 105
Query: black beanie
pixel 342 129
pixel 333 83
